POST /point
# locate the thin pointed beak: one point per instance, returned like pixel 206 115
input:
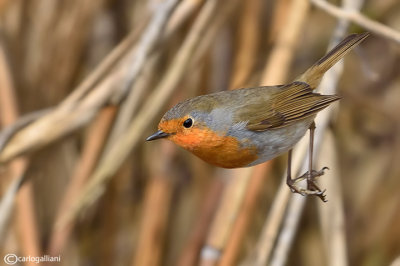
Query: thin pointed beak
pixel 158 135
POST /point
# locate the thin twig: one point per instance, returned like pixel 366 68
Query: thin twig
pixel 358 18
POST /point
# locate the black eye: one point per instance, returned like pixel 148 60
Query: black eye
pixel 188 123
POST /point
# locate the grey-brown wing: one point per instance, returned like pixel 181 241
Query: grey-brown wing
pixel 291 103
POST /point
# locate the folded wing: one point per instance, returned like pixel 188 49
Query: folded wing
pixel 294 102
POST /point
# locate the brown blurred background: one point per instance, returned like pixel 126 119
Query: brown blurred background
pixel 78 181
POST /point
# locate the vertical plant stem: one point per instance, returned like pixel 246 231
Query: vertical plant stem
pixel 275 72
pixel 26 217
pixel 91 152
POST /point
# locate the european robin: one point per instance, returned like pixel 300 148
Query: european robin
pixel 245 127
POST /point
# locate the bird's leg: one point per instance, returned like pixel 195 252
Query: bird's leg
pixel 310 175
pixel 291 182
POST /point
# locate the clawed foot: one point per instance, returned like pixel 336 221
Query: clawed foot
pixel 312 187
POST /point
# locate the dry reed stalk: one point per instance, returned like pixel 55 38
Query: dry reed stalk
pixel 224 14
pixel 146 44
pixel 153 228
pixel 259 172
pixel 239 230
pixel 273 222
pixel 200 193
pixel 234 193
pixel 333 229
pixel 145 254
pixel 26 218
pixel 216 26
pixel 279 16
pixel 216 236
pixel 182 13
pixel 190 253
pixel 358 18
pixel 367 103
pixel 275 72
pixel 105 67
pixel 396 262
pixel 232 197
pixel 149 112
pixel 57 123
pixel 332 214
pixel 285 46
pixel 7 207
pixel 3 5
pixel 130 104
pixel 27 226
pixel 37 44
pixel 91 152
pixel 268 78
pixel 156 208
pixel 248 39
pixel 296 204
pixel 242 205
pixel 74 18
pixel 45 132
pixel 44 55
pixel 226 215
pixel 8 131
pixel 83 89
pixel 62 121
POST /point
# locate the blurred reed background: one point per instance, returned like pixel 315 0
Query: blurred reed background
pixel 84 82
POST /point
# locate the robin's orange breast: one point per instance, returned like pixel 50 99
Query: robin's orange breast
pixel 222 151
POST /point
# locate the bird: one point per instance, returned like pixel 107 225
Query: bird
pixel 248 126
